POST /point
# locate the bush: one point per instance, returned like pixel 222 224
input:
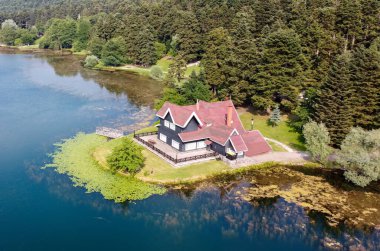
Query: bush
pixel 91 61
pixel 360 156
pixel 127 157
pixel 317 141
pixel 18 42
pixel 156 72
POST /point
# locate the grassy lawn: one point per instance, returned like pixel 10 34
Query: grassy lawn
pixel 282 132
pixel 75 157
pixel 158 170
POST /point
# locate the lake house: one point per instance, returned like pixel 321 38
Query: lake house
pixel 215 126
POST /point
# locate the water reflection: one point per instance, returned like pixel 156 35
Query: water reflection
pixel 212 208
pixel 138 89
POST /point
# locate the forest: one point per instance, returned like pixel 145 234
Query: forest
pixel 314 59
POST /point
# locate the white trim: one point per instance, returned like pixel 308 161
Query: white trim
pixel 166 113
pixel 193 114
pixel 232 143
pixel 229 137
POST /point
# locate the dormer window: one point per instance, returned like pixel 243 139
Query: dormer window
pixel 172 126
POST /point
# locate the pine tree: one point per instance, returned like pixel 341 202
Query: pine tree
pixel 280 71
pixel 189 37
pixel 348 21
pixel 275 116
pixel 146 55
pixel 242 60
pixel 333 105
pixel 217 51
pixel 366 81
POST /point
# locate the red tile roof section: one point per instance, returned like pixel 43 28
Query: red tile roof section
pixel 238 143
pixel 256 143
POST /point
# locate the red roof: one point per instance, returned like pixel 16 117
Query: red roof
pixel 256 143
pixel 238 143
pixel 213 126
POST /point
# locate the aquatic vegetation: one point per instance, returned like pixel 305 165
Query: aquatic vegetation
pixel 74 158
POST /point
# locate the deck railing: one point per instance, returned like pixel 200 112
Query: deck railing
pixel 138 136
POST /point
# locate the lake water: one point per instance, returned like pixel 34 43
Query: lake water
pixel 46 99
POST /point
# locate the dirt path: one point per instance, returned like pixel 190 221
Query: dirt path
pixel 287 148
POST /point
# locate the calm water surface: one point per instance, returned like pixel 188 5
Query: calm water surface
pixel 46 99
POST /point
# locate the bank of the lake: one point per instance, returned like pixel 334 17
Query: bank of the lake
pixel 314 188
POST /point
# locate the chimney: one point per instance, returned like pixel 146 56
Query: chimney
pixel 229 116
pixel 197 105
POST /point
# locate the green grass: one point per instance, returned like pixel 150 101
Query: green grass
pixel 152 128
pixel 160 171
pixel 164 64
pixel 74 157
pixel 283 132
pixel 190 69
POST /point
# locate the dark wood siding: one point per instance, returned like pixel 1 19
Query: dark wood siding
pixel 173 134
pixel 170 134
pixel 191 126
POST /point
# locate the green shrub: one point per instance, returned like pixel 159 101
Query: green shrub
pixel 91 61
pixel 18 42
pixel 156 72
pixel 126 157
pixel 317 141
pixel 360 156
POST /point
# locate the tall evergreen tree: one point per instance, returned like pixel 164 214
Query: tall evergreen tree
pixel 189 37
pixel 218 48
pixel 279 77
pixel 349 18
pixel 366 81
pixel 243 58
pixel 333 105
pixel 146 50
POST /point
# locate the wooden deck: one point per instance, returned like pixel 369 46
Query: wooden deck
pixel 109 132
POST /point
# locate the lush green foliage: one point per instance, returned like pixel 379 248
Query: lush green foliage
pixel 114 51
pixel 60 34
pixel 91 61
pixel 360 156
pixel 126 157
pixel 11 34
pixel 156 72
pixel 317 141
pixel 258 52
pixel 192 90
pixel 74 158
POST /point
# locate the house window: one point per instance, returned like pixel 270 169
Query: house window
pixel 172 126
pixel 190 146
pixel 240 154
pixel 201 144
pixel 175 144
pixel 163 137
pixel 166 123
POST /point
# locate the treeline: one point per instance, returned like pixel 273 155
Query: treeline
pixel 316 59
